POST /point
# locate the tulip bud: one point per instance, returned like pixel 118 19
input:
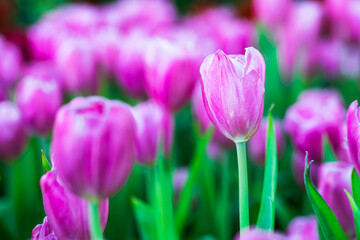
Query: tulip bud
pixel 10 62
pixel 233 92
pixel 303 228
pixel 258 234
pixel 12 132
pixel 316 113
pixel 257 144
pixel 38 100
pixel 130 65
pixel 43 232
pixel 155 125
pixel 93 144
pixel 66 212
pixel 353 134
pixel 334 178
pixel 76 64
pixel 171 73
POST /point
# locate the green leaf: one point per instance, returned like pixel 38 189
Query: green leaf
pixel 356 213
pixel 145 219
pixel 266 218
pixel 45 163
pixel 328 151
pixel 329 225
pixel 355 185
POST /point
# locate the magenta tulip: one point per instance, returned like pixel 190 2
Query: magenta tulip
pixel 258 234
pixel 334 178
pixel 67 213
pixel 93 146
pixel 76 64
pixel 272 13
pixel 353 134
pixel 233 92
pixel 3 94
pixel 10 62
pixel 316 113
pixel 171 73
pixel 12 132
pixel 38 100
pixel 155 125
pixel 257 144
pixel 303 228
pixel 43 232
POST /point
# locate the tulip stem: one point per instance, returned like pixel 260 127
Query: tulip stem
pixel 94 219
pixel 243 186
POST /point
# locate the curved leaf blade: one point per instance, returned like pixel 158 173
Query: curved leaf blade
pixel 356 213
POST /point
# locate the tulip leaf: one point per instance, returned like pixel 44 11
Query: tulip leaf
pixel 145 219
pixel 355 185
pixel 266 218
pixel 45 162
pixel 356 213
pixel 328 223
pixel 328 152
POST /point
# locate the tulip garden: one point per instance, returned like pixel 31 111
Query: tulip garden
pixel 169 120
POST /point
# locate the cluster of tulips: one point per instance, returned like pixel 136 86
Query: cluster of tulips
pixel 105 94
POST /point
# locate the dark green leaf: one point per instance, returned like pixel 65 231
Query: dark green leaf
pixel 356 213
pixel 266 218
pixel 329 225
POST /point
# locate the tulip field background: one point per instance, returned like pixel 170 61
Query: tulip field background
pixel 179 95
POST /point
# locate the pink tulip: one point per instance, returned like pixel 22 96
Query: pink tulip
pixel 38 99
pixel 233 92
pixel 43 232
pixel 10 63
pixel 93 146
pixel 334 178
pixel 353 136
pixel 12 132
pixel 316 113
pixel 155 125
pixel 258 234
pixel 67 213
pixel 303 228
pixel 272 12
pixel 257 144
pixel 171 72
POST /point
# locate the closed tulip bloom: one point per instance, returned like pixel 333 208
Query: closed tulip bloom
pixel 38 100
pixel 233 92
pixel 171 73
pixel 93 146
pixel 303 228
pixel 353 134
pixel 43 232
pixel 10 62
pixel 67 213
pixel 12 132
pixel 316 113
pixel 257 144
pixel 334 178
pixel 273 12
pixel 76 64
pixel 154 125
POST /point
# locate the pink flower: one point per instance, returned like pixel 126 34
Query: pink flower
pixel 303 228
pixel 233 92
pixel 10 63
pixel 43 232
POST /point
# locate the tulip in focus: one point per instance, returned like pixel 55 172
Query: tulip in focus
pixel 38 100
pixel 334 178
pixel 353 134
pixel 43 232
pixel 12 132
pixel 233 92
pixel 257 144
pixel 154 126
pixel 171 72
pixel 93 146
pixel 303 228
pixel 67 213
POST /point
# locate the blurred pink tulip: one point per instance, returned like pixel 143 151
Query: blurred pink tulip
pixel 233 92
pixel 155 125
pixel 303 228
pixel 258 234
pixel 334 178
pixel 12 132
pixel 67 213
pixel 93 146
pixel 298 168
pixel 272 12
pixel 10 62
pixel 38 100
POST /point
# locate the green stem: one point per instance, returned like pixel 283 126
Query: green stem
pixel 94 220
pixel 223 208
pixel 243 186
